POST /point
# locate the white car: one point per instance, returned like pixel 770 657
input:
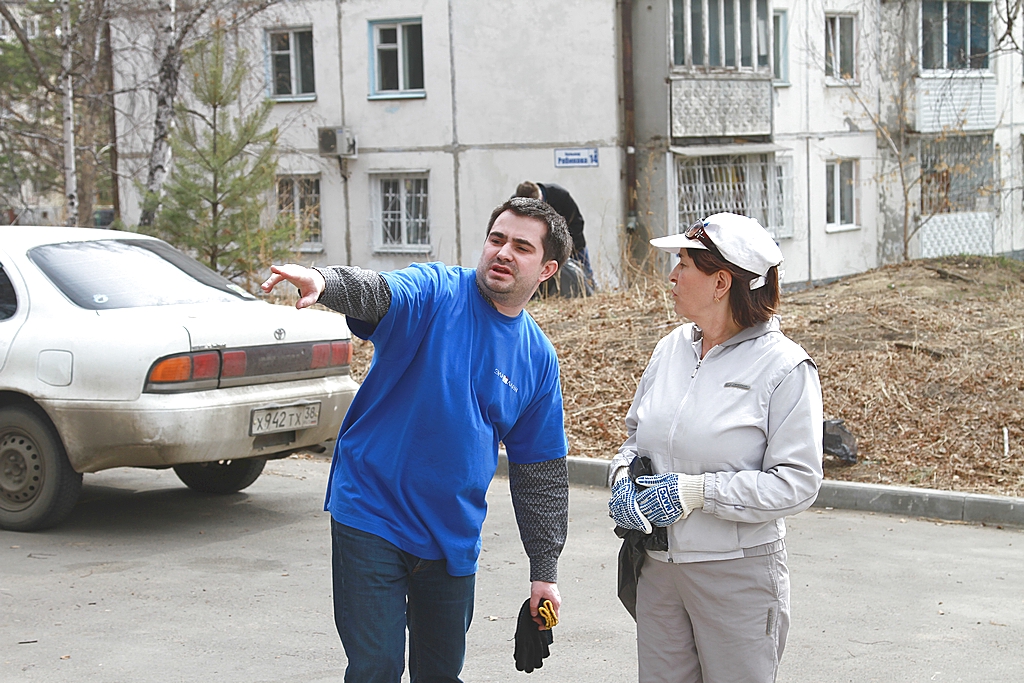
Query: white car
pixel 117 350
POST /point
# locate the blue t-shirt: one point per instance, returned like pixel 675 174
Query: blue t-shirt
pixel 450 378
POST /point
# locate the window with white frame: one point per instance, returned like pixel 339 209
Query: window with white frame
pixel 397 58
pixel 291 63
pixel 841 193
pixel 298 198
pixel 780 45
pixel 954 35
pixel 30 24
pixel 957 174
pixel 840 47
pixel 729 34
pixel 756 185
pixel 401 211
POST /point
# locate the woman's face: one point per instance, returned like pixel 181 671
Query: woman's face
pixel 692 290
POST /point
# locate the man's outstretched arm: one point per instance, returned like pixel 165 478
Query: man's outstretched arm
pixel 540 496
pixel 356 292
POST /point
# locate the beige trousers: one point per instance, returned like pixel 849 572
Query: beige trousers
pixel 724 621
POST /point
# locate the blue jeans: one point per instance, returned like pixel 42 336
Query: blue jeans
pixel 379 590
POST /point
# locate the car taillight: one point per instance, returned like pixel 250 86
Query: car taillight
pixel 206 365
pixel 187 367
pixel 234 364
pixel 341 353
pixel 321 356
pixel 251 365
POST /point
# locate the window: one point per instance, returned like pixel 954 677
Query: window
pixel 957 174
pixel 954 35
pixel 757 185
pixel 298 197
pixel 840 62
pixel 401 212
pixel 29 24
pixel 840 193
pixel 291 64
pixel 780 56
pixel 397 58
pixel 721 33
pixel 8 298
pixel 131 273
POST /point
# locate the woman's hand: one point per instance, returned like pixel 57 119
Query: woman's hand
pixel 623 508
pixel 669 497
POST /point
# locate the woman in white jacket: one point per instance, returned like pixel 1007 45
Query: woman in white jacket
pixel 729 413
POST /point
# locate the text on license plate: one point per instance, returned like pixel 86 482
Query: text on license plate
pixel 270 420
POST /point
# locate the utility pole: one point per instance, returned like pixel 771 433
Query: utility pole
pixel 70 180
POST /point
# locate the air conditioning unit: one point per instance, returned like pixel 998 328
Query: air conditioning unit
pixel 337 142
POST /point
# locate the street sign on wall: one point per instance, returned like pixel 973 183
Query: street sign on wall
pixel 580 157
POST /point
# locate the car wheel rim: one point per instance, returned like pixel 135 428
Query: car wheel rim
pixel 21 471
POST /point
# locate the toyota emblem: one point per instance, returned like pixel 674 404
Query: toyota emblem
pixel 279 334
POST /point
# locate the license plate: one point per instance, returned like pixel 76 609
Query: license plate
pixel 285 418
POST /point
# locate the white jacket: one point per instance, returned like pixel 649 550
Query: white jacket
pixel 749 418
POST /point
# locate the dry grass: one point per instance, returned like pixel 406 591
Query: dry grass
pixel 924 361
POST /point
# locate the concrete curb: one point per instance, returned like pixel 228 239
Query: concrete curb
pixel 894 500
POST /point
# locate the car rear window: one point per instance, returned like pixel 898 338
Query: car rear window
pixel 105 274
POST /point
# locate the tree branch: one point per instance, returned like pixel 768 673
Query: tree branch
pixel 19 31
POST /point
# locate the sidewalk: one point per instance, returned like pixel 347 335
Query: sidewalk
pixel 896 500
pixel 874 598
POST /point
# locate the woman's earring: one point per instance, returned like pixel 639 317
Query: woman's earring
pixel 717 299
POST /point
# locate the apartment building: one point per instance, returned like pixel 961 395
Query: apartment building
pixel 403 123
pixel 858 132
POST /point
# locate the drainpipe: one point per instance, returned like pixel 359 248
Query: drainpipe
pixel 807 124
pixel 343 163
pixel 628 114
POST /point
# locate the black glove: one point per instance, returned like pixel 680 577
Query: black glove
pixel 531 643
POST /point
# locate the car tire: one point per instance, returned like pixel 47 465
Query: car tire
pixel 221 476
pixel 38 486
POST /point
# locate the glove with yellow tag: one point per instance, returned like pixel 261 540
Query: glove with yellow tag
pixel 531 643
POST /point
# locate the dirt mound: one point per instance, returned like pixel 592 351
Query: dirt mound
pixel 924 361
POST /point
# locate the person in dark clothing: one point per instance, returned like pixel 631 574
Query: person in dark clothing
pixel 559 199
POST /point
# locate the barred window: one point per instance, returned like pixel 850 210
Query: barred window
pixel 957 174
pixel 759 186
pixel 299 198
pixel 401 212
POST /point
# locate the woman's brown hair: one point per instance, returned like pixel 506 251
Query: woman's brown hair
pixel 749 306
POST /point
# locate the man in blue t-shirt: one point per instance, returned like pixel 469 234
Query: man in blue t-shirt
pixel 458 366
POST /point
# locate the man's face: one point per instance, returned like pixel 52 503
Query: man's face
pixel 512 263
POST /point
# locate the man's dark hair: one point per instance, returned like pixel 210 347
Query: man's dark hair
pixel 557 242
pixel 528 188
pixel 749 306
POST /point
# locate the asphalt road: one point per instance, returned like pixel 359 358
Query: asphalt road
pixel 151 582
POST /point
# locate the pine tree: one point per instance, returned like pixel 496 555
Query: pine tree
pixel 224 168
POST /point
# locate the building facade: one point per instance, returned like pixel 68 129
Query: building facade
pixel 403 123
pixel 859 132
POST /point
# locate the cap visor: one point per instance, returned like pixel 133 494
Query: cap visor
pixel 673 243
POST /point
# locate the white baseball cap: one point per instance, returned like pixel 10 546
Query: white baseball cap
pixel 740 240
